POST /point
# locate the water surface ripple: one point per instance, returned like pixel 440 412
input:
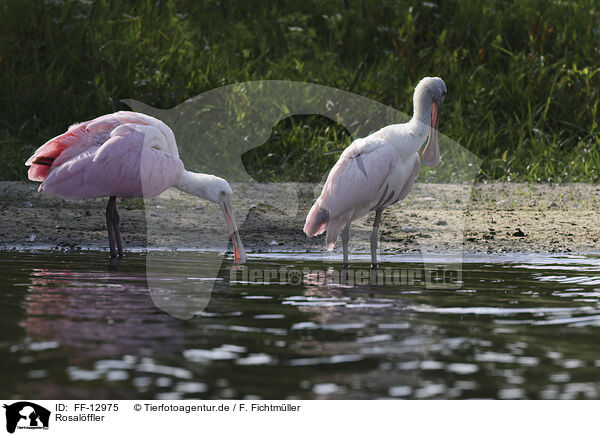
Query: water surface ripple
pixel 73 328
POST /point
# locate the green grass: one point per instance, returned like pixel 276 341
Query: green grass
pixel 523 77
pixel 301 145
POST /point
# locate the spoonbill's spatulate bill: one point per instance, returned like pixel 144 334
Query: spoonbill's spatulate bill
pixel 378 170
pixel 127 155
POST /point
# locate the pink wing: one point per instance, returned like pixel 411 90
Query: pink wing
pixel 355 184
pixel 122 166
pixel 79 139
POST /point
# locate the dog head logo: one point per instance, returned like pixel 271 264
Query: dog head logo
pixel 215 129
pixel 26 415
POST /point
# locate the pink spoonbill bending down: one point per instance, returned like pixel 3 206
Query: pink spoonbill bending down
pixel 378 170
pixel 127 155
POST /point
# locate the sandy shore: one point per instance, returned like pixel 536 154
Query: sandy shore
pixel 485 218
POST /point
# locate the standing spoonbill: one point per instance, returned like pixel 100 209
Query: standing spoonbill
pixel 127 155
pixel 378 170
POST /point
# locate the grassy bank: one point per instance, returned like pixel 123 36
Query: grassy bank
pixel 523 77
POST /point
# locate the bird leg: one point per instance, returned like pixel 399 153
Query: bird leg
pixel 345 240
pixel 117 224
pixel 374 237
pixel 109 226
pixel 112 225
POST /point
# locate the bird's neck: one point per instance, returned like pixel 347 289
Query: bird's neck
pixel 410 136
pixel 197 184
pixel 421 120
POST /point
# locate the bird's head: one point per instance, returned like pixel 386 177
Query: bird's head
pixel 431 92
pixel 218 191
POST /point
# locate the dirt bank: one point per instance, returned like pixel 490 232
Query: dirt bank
pixel 486 218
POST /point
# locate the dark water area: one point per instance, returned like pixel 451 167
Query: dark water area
pixel 71 327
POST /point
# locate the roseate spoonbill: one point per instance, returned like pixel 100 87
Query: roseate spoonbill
pixel 127 155
pixel 378 170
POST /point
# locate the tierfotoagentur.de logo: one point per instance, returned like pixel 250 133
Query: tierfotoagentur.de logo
pixel 25 415
pixel 438 277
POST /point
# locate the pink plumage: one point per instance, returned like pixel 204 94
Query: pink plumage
pixel 368 175
pixel 125 154
pixel 377 171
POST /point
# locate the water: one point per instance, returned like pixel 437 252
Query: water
pixel 517 327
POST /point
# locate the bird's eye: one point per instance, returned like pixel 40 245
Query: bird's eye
pixel 443 93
